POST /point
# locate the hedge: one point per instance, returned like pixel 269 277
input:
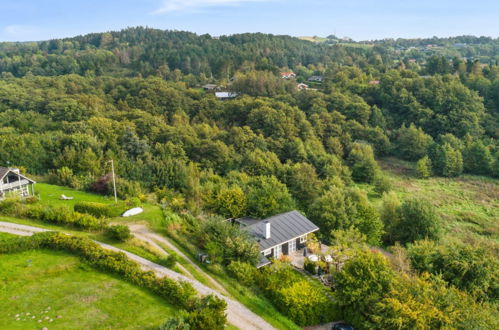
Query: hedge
pixel 62 215
pixel 52 214
pixel 180 294
pixel 106 210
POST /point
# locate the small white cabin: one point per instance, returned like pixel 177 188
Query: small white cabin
pixel 13 183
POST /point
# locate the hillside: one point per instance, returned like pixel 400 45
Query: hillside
pixel 384 146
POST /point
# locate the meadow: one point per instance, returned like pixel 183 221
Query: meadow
pixel 468 205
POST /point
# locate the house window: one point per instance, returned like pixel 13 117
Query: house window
pixel 292 246
pixel 278 251
pixel 303 239
pixel 267 252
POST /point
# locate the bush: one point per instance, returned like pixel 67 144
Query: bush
pixel 207 313
pixel 423 168
pixel 105 210
pixel 170 260
pixel 119 232
pixel 245 273
pixel 382 183
pixel 93 208
pixel 418 220
pixel 62 215
pixel 295 296
pixel 64 176
pixel 310 266
pixel 9 206
pixel 226 242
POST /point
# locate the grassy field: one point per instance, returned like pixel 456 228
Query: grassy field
pixel 55 286
pixel 468 205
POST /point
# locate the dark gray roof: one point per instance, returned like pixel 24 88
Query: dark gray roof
pixel 283 227
pixel 3 171
pixel 247 221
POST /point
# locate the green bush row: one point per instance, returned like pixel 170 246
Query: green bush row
pixel 180 294
pixel 62 215
pixel 103 210
pixel 52 214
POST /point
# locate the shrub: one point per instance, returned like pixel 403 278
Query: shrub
pixel 9 206
pixel 119 232
pixel 225 242
pixel 105 210
pixel 382 183
pixel 295 296
pixel 310 266
pixel 93 208
pixel 64 176
pixel 170 260
pixel 245 273
pixel 423 168
pixel 31 200
pixel 175 323
pixel 62 215
pixel 207 313
pixel 418 220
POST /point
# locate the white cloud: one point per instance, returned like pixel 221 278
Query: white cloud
pixel 178 5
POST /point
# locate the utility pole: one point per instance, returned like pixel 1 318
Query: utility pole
pixel 114 182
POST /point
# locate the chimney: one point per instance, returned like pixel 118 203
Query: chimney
pixel 266 229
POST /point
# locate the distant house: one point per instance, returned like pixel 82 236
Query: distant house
pixel 302 86
pixel 316 78
pixel 374 82
pixel 288 75
pixel 279 235
pixel 13 183
pixel 210 87
pixel 225 95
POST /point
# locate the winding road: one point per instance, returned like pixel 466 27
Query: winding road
pixel 237 314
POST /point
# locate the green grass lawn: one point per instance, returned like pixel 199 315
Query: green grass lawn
pixel 51 195
pixel 468 205
pixel 48 284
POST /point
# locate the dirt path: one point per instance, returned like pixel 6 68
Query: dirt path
pixel 237 314
pixel 164 253
pixel 143 233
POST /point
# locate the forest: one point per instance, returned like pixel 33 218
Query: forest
pixel 69 106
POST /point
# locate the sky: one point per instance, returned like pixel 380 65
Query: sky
pixel 30 20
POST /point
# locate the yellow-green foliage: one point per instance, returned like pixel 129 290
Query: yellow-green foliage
pixel 295 295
